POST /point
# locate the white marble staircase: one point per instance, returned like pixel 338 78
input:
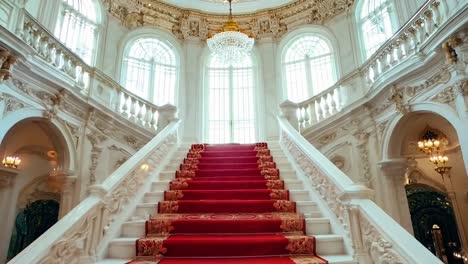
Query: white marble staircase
pixel 329 245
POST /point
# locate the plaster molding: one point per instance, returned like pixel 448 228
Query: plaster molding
pixel 193 24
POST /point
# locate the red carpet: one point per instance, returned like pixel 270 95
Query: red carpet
pixel 227 204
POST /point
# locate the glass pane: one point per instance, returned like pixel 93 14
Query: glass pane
pixel 219 107
pixel 243 118
pixel 296 82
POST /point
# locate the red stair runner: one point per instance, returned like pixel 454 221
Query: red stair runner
pixel 227 204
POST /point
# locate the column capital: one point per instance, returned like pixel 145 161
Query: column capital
pixel 393 166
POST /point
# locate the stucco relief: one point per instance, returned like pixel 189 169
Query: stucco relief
pixel 187 23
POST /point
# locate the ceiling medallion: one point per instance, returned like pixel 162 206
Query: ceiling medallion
pixel 230 45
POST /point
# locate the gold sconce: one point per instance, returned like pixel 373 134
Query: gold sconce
pixel 11 162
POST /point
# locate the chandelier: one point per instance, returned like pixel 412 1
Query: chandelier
pixel 230 45
pixel 433 145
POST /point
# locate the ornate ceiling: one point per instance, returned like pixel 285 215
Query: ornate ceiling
pixel 187 23
pixel 222 7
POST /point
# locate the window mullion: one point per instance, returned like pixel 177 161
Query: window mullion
pixel 309 76
pixel 151 81
pixel 231 106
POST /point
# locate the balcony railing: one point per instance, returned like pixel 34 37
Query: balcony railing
pixel 90 82
pixel 406 43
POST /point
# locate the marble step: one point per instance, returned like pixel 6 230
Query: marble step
pixel 124 247
pixel 154 197
pixel 144 210
pixel 289 185
pixel 169 173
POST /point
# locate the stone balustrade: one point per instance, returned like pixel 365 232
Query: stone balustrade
pixel 90 82
pixel 406 44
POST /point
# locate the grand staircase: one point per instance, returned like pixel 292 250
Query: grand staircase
pixel 228 210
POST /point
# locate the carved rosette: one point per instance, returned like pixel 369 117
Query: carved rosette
pixel 151 246
pixel 159 227
pixel 185 174
pixel 274 184
pixel 194 155
pixel 300 245
pixel 264 159
pixel 271 177
pixel 269 172
pixel 189 161
pixel 179 184
pixel 284 206
pixel 197 147
pixel 173 195
pixel 292 225
pixel 263 152
pixel 263 145
pixel 279 194
pixel 168 207
pixel 188 167
pixel 266 165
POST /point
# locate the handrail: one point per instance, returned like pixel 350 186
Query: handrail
pixel 90 82
pixel 79 233
pixel 374 234
pixel 403 45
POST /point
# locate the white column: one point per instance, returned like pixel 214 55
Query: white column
pixel 446 177
pixel 7 202
pixel 268 95
pixel 63 181
pixel 394 171
pixel 192 103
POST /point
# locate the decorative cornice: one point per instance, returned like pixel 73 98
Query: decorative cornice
pixel 190 24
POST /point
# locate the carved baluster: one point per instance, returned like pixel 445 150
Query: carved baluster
pixel 73 66
pixel 66 63
pixel 384 61
pixel 372 72
pixel 140 113
pixel 331 100
pixel 428 22
pixel 403 46
pixel 27 32
pixel 124 106
pixel 154 118
pixel 420 33
pixel 19 31
pixel 324 104
pixel 306 116
pixel 379 66
pixel 318 109
pixel 413 42
pixel 58 58
pixel 79 76
pixel 436 16
pixel 133 113
pixel 443 10
pixel 148 116
pixel 36 40
pixel 312 113
pixel 43 47
pixel 391 55
pixel 300 117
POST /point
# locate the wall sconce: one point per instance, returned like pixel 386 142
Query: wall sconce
pixel 11 162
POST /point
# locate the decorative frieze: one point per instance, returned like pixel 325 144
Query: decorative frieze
pixel 188 23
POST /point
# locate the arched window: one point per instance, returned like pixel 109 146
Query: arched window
pixel 150 70
pixel 77 27
pixel 375 23
pixel 230 114
pixel 309 67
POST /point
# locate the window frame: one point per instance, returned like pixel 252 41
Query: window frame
pixel 123 72
pixel 386 6
pixel 286 44
pixel 97 27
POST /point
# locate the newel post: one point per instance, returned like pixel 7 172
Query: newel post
pixel 289 110
pixel 167 113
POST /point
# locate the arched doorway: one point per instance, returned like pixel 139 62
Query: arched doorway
pixel 43 149
pixel 403 145
pixel 32 222
pixel 434 221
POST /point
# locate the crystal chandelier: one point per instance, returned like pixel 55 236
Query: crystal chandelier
pixel 230 45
